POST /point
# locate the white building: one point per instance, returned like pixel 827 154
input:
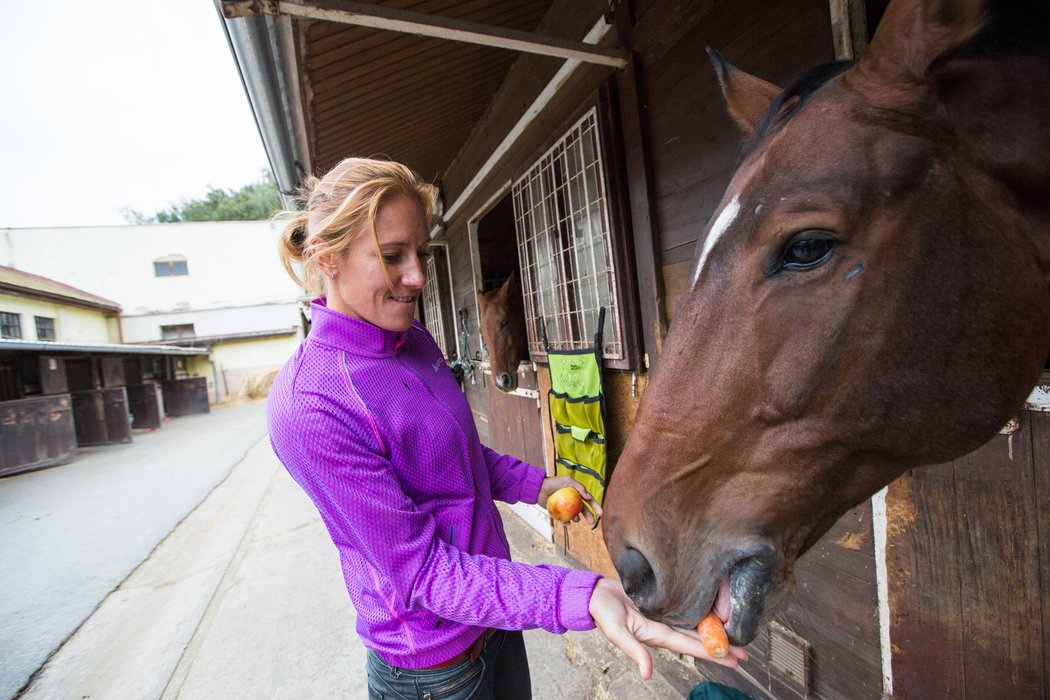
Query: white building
pixel 216 284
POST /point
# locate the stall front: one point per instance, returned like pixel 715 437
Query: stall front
pixel 58 396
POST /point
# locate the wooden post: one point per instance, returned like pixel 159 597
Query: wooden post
pixel 849 30
pixel 639 192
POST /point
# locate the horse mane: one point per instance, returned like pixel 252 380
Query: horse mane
pixel 1012 28
pixel 803 88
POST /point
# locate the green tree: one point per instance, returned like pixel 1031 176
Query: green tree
pixel 253 202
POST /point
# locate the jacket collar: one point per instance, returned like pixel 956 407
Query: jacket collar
pixel 351 334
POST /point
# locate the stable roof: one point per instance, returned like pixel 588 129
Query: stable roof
pixel 66 347
pixel 26 284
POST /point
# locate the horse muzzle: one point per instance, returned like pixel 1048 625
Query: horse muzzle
pixel 506 381
pixel 751 583
pixel 753 574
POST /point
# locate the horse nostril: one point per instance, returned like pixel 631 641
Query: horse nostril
pixel 503 381
pixel 636 574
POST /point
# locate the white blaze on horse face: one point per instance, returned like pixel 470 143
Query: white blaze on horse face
pixel 724 220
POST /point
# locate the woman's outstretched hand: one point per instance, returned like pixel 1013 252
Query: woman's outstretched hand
pixel 553 483
pixel 618 618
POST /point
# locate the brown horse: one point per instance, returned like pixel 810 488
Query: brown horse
pixel 871 296
pixel 503 330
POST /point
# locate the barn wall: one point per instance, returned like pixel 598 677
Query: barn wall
pixel 527 78
pixel 968 556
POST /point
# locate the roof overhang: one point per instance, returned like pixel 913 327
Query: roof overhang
pixel 328 79
pixel 66 348
pixel 210 340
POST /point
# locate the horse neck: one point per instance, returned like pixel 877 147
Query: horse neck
pixel 1000 112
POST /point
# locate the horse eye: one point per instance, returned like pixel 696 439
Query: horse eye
pixel 807 253
pixel 504 323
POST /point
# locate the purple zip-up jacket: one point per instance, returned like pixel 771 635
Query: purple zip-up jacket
pixel 373 426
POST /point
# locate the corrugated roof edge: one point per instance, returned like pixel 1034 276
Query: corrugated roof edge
pixel 28 283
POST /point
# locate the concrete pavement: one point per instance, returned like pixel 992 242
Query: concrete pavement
pixel 71 534
pixel 245 599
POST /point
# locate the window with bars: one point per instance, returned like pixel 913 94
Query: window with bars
pixel 566 232
pixel 10 325
pixel 432 316
pixel 45 328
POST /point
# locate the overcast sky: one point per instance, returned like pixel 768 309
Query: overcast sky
pixel 118 103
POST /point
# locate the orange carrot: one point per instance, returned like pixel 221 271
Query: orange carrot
pixel 713 635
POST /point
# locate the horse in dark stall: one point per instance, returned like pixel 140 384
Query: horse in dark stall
pixel 871 296
pixel 503 330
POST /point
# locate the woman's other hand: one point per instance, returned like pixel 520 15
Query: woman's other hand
pixel 553 483
pixel 618 618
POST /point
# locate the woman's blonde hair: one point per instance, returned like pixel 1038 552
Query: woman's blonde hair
pixel 338 208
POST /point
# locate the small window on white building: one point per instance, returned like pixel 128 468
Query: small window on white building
pixel 171 266
pixel 45 328
pixel 177 332
pixel 10 325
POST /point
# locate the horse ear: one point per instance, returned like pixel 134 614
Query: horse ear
pixel 747 97
pixel 505 290
pixel 914 35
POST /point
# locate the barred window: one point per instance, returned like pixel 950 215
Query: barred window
pixel 10 325
pixel 565 230
pixel 45 328
pixel 432 316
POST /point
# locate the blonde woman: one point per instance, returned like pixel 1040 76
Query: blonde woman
pixel 371 423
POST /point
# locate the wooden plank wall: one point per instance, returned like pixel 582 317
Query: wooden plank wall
pixel 968 555
pixel 623 392
pixel 693 143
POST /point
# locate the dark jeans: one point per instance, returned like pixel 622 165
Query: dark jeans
pixel 501 671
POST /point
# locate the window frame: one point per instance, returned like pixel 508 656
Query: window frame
pixel 620 249
pixel 53 333
pixel 176 266
pixel 433 301
pixel 8 320
pixel 179 335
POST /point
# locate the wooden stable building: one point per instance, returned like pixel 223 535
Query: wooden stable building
pixel 583 145
pixel 65 383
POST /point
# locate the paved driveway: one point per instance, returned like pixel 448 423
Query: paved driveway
pixel 69 535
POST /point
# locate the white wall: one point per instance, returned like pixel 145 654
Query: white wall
pixel 209 322
pixel 235 284
pixel 72 323
pixel 230 263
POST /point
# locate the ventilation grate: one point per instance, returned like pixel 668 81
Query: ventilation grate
pixel 790 657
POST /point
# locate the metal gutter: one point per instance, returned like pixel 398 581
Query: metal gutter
pixel 100 348
pixel 256 45
pixel 207 341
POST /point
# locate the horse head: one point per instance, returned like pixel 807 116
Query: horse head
pixel 871 295
pixel 503 330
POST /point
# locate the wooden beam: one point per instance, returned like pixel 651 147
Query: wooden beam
pixel 420 24
pixel 647 263
pixel 849 31
pixel 548 93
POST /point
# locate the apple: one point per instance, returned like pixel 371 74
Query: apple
pixel 565 504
